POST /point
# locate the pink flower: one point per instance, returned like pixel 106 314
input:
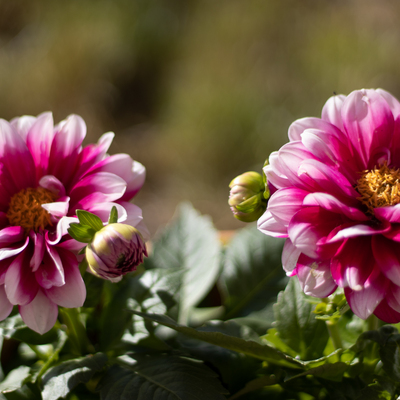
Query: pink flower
pixel 337 201
pixel 45 175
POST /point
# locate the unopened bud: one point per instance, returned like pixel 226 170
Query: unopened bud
pixel 114 251
pixel 248 196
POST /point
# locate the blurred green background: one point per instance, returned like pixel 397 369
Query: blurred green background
pixel 197 90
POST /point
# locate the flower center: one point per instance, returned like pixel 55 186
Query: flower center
pixel 25 209
pixel 379 187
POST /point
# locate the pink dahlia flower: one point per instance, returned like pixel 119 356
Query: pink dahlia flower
pixel 45 176
pixel 336 198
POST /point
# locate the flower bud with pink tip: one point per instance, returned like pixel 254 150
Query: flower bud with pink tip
pixel 114 251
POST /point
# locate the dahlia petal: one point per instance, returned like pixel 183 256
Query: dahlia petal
pixel 323 178
pixel 73 293
pixel 364 302
pixel 23 124
pixel 331 111
pixel 274 173
pixel 393 297
pixel 291 156
pixel 11 234
pixel 7 252
pixel 331 203
pixel 386 253
pixel 109 187
pixel 69 137
pixel 388 213
pixel 16 157
pixel 38 252
pixel 393 103
pixel 53 238
pixel 290 256
pixel 300 125
pixel 20 284
pixel 4 264
pixel 315 277
pixel 359 230
pixel 39 139
pixel 369 124
pixel 51 271
pixel 268 225
pixel 135 181
pixel 40 314
pixel 386 313
pixel 102 210
pixel 58 209
pixel 309 230
pixel 284 203
pixel 5 306
pixel 51 183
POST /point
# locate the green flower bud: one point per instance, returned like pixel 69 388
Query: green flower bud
pixel 248 196
pixel 114 251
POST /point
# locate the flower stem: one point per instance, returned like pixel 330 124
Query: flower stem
pixel 76 331
pixel 372 323
pixel 334 334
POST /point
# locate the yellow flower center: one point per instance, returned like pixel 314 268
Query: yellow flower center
pixel 379 187
pixel 26 209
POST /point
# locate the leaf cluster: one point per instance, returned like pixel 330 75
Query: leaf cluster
pixel 202 321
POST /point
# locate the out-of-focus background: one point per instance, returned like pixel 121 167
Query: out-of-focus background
pixel 197 90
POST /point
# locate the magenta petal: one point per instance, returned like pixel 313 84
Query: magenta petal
pixel 331 203
pixel 51 183
pixel 300 125
pixel 290 256
pixel 309 230
pixel 16 157
pixel 369 124
pixel 268 225
pixel 102 210
pixel 4 264
pixel 387 256
pixel 315 277
pixel 393 103
pixel 38 252
pixel 57 209
pixel 61 230
pixel 108 186
pixel 5 306
pixel 51 271
pixel 274 172
pixel 40 314
pixel 284 203
pixel 331 111
pixel 388 213
pixel 386 313
pixel 39 139
pixel 136 181
pixel 359 230
pixel 20 283
pixel 364 302
pixel 73 293
pixel 354 263
pixel 11 234
pixel 22 125
pixel 13 250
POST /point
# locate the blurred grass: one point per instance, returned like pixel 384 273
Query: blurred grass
pixel 197 90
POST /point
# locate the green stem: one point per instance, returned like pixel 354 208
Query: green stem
pixel 76 331
pixel 372 323
pixel 334 334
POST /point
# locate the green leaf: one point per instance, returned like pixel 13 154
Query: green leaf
pixel 255 384
pixel 61 379
pixel 81 233
pixel 113 218
pixel 160 377
pixel 252 275
pixel 296 323
pixel 89 219
pixel 333 372
pixel 190 244
pixel 249 347
pixel 15 379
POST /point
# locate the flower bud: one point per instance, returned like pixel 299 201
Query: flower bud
pixel 248 196
pixel 114 251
